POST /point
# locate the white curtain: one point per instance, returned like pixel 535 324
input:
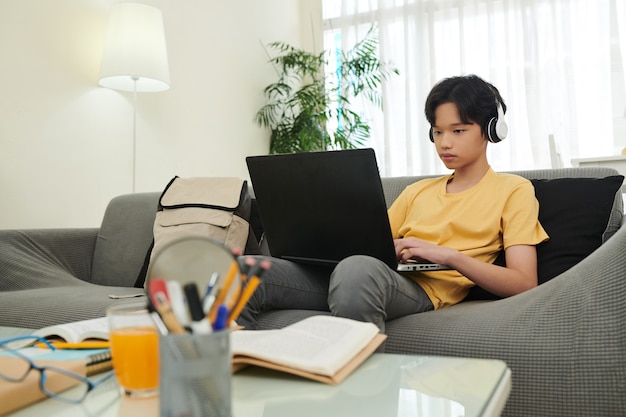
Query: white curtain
pixel 559 64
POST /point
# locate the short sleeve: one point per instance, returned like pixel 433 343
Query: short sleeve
pixel 520 218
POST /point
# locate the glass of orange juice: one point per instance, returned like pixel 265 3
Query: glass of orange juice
pixel 134 349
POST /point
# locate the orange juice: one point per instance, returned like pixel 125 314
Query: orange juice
pixel 135 355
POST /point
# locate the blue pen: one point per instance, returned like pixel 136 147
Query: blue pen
pixel 221 317
pixel 212 282
pixel 210 293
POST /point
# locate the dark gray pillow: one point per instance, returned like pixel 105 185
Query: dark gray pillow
pixel 575 213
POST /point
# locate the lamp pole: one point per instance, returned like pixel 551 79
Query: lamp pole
pixel 135 79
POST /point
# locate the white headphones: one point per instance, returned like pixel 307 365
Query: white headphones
pixel 497 128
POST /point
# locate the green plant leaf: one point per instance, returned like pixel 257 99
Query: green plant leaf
pixel 304 99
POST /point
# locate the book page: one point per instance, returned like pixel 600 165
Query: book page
pixel 77 331
pixel 319 344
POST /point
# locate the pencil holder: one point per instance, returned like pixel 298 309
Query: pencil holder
pixel 195 375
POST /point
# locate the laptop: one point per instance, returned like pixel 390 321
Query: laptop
pixel 321 207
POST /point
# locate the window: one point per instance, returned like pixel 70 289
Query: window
pixel 559 64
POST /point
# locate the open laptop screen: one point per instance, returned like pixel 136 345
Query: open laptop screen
pixel 322 206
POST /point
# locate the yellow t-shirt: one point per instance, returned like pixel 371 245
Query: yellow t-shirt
pixel 498 212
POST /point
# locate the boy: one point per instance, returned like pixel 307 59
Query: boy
pixel 463 220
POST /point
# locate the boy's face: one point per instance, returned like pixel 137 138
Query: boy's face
pixel 459 145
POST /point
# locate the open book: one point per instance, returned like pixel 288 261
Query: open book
pixel 77 331
pixel 322 348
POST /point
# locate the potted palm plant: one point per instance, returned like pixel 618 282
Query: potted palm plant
pixel 309 107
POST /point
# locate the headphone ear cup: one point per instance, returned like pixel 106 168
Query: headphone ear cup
pixel 430 135
pixel 497 129
pixel 492 134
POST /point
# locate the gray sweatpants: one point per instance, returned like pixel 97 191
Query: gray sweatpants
pixel 359 287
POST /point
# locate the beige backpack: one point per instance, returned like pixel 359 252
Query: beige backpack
pixel 214 207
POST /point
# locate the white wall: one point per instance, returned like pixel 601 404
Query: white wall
pixel 66 143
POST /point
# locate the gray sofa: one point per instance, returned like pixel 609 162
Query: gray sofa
pixel 565 341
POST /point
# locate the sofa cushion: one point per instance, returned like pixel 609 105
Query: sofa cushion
pixel 575 214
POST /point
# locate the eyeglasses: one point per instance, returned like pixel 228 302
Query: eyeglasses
pixel 53 382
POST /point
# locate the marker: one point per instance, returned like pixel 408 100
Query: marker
pixel 158 285
pixel 177 301
pixel 199 323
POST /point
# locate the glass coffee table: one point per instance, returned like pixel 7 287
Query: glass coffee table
pixel 385 384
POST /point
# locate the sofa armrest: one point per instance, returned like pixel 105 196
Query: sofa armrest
pixel 564 341
pixel 45 257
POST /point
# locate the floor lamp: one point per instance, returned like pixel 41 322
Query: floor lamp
pixel 135 55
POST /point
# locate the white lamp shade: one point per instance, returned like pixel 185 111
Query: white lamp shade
pixel 135 54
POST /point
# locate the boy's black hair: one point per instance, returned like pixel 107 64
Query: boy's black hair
pixel 474 98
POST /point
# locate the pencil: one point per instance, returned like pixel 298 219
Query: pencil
pixel 223 292
pixel 247 270
pixel 79 345
pixel 167 315
pixel 255 272
pixel 251 286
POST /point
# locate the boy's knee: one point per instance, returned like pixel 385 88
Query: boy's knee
pixel 357 274
pixel 355 267
pixel 357 289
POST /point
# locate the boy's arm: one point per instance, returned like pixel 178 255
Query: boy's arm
pixel 519 275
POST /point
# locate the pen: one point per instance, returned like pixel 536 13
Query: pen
pixel 211 292
pixel 79 345
pixel 199 323
pixel 212 282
